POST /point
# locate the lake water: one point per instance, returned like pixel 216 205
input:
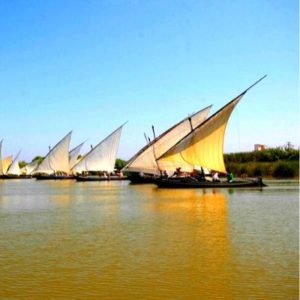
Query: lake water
pixel 112 240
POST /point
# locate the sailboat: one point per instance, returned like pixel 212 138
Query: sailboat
pixel 56 164
pixel 13 171
pixel 99 162
pixel 203 146
pixel 6 162
pixel 144 166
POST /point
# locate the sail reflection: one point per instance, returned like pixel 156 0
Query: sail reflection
pixel 197 222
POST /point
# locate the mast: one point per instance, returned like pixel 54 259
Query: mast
pixel 154 154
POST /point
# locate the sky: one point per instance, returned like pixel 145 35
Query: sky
pixel 89 66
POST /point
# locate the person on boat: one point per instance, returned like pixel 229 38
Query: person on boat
pixel 165 174
pixel 201 175
pixel 230 177
pixel 178 172
pixel 215 177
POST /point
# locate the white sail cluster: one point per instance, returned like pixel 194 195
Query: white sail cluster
pixel 193 143
pixel 60 160
pixel 8 166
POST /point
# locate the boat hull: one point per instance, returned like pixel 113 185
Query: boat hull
pixel 53 177
pixel 15 177
pixel 194 183
pixel 141 179
pixel 99 178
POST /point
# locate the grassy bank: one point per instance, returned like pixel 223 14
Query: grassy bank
pixel 276 162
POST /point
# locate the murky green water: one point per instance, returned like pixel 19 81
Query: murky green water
pixel 68 240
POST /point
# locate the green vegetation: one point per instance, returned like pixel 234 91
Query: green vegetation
pixel 281 162
pixel 22 164
pixel 38 159
pixel 120 164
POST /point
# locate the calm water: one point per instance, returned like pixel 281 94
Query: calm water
pixel 65 240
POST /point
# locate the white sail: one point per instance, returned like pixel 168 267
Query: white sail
pixel 103 156
pixel 1 167
pixel 145 160
pixel 57 160
pixel 28 169
pixel 14 168
pixel 73 155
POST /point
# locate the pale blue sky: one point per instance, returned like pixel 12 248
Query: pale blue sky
pixel 89 66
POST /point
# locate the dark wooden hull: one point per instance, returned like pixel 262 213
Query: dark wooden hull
pixel 141 180
pixel 138 179
pixel 99 178
pixel 53 177
pixel 15 177
pixel 194 183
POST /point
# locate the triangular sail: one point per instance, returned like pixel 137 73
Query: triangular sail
pixel 204 145
pixel 14 168
pixel 57 160
pixel 1 166
pixel 73 155
pixel 145 159
pixel 6 162
pixel 103 156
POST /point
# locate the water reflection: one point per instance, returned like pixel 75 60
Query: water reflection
pixel 109 240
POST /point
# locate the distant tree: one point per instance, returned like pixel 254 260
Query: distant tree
pixel 38 159
pixel 120 164
pixel 22 164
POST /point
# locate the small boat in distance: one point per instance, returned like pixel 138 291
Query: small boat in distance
pixel 203 147
pixel 6 162
pixel 98 164
pixel 13 171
